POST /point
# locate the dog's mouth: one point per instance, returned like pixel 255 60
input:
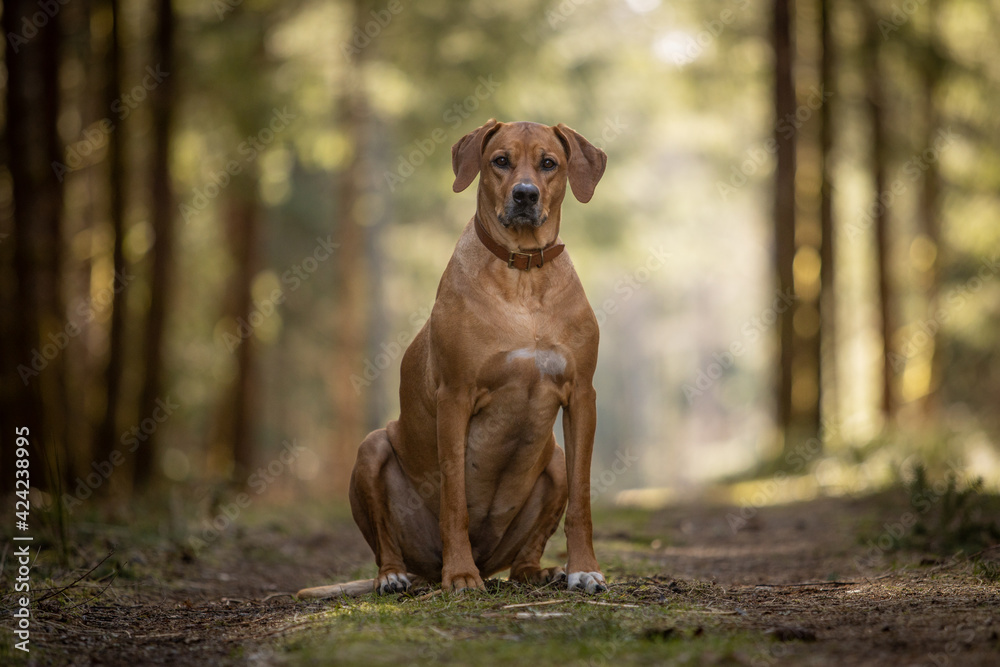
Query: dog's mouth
pixel 515 215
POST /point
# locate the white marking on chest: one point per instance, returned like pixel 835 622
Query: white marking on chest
pixel 548 362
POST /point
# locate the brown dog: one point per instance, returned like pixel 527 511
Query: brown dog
pixel 469 480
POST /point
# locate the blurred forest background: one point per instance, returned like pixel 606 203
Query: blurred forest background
pixel 221 221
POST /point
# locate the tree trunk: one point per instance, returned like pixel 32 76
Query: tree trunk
pixel 107 434
pixel 880 156
pixel 379 331
pixel 352 322
pixel 828 302
pixel 86 98
pixel 929 210
pixel 784 205
pixel 38 378
pixel 162 220
pixel 352 283
pixel 243 231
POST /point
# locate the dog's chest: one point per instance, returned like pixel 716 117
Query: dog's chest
pixel 520 391
pixel 530 350
pixel 530 356
pixel 523 382
pixel 548 362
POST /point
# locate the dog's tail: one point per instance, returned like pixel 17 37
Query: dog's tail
pixel 393 582
pixel 351 589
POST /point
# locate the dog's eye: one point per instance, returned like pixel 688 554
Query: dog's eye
pixel 548 163
pixel 501 161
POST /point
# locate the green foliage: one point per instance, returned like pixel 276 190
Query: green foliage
pixel 951 516
pixel 988 570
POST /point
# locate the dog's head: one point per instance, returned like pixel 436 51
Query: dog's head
pixel 525 167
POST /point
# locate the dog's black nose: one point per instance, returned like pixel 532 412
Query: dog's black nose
pixel 525 193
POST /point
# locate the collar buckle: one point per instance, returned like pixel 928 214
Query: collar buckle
pixel 513 258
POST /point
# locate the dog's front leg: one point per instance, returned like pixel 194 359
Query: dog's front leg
pixel 579 424
pixel 459 568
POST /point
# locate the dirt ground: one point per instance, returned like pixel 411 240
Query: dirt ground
pixel 797 584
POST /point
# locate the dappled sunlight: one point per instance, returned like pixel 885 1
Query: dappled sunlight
pixel 224 224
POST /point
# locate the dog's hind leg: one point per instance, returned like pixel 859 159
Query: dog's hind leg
pixel 392 517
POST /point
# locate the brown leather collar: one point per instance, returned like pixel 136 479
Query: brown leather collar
pixel 514 258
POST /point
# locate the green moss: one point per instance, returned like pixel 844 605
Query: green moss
pixel 474 628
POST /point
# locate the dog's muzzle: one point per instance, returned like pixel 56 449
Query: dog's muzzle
pixel 522 207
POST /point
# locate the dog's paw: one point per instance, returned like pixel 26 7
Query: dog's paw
pixel 588 582
pixel 392 583
pixel 538 576
pixel 556 575
pixel 462 582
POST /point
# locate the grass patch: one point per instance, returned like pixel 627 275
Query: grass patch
pixel 936 515
pixel 987 570
pixel 635 623
pixel 951 516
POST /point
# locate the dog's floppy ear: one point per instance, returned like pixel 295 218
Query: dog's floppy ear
pixel 468 152
pixel 586 162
